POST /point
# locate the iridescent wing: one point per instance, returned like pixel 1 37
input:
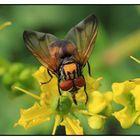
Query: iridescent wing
pixel 83 35
pixel 38 43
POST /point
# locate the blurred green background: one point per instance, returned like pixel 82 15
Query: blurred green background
pixel 118 38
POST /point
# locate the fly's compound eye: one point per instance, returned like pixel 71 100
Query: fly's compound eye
pixel 66 85
pixel 79 82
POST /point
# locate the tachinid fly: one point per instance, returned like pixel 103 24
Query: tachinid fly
pixel 65 58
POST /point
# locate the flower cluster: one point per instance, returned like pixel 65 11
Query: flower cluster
pixel 50 103
pixel 97 109
pixel 127 95
pixel 16 74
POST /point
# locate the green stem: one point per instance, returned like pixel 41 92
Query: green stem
pixel 27 92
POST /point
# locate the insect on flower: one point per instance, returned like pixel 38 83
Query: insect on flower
pixel 65 58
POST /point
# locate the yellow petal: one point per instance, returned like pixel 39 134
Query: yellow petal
pixel 34 116
pixel 126 116
pixel 97 83
pixel 136 93
pixel 96 102
pixel 50 89
pixel 138 120
pixel 81 96
pixel 92 84
pixel 108 97
pixel 72 126
pixel 58 120
pixel 41 75
pixel 122 92
pixel 136 81
pixel 96 121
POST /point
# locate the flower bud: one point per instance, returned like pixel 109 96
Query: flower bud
pixel 64 105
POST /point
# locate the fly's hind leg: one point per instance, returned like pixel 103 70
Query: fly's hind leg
pixel 89 70
pixel 74 98
pixel 86 94
pixel 42 83
pixel 85 91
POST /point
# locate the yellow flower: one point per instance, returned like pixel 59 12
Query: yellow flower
pixel 100 106
pixel 41 112
pixel 34 115
pixel 100 101
pixel 63 107
pixel 127 95
pixel 96 121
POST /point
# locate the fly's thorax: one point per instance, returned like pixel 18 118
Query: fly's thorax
pixel 69 69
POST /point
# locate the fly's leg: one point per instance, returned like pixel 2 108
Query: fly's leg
pixel 59 94
pixel 86 94
pixel 74 99
pixel 59 88
pixel 85 91
pixel 42 83
pixel 89 70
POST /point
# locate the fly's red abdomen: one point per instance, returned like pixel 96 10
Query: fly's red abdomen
pixel 70 85
pixel 66 85
pixel 79 82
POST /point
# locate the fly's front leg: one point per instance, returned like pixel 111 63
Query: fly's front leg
pixel 59 87
pixel 42 83
pixel 58 106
